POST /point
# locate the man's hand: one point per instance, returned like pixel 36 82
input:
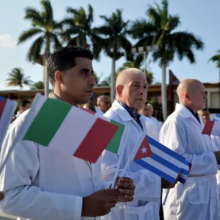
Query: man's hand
pixel 99 203
pixel 217 156
pixel 167 185
pixel 126 189
pixel 1 196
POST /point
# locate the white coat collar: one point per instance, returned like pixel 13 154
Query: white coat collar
pixel 121 111
pixel 185 112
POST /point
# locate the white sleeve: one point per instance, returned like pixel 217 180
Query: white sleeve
pixel 26 200
pixel 147 184
pixel 173 135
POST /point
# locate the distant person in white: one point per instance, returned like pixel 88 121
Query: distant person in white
pixel 182 132
pixel 151 125
pixel 216 147
pixel 24 105
pixel 92 105
pixel 103 103
pixel 151 112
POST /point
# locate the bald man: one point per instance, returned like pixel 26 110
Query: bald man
pixel 131 94
pixel 103 103
pixel 182 132
pixel 151 125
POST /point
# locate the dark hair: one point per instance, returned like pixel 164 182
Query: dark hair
pixel 24 103
pixel 63 59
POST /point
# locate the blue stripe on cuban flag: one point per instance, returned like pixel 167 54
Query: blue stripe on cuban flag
pixel 216 118
pixel 165 162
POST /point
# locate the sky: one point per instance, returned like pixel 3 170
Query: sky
pixel 202 18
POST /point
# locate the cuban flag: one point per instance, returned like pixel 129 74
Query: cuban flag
pixel 7 109
pixel 165 162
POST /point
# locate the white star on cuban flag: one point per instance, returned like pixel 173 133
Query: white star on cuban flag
pixel 144 150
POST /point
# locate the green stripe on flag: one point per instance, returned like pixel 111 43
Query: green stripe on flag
pixel 114 144
pixel 47 121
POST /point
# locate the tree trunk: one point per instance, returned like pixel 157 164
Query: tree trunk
pixel 164 91
pixel 46 79
pixel 113 77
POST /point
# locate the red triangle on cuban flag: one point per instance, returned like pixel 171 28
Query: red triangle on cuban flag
pixel 144 150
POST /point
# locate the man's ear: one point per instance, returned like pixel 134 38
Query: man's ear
pixel 119 90
pixel 58 77
pixel 187 97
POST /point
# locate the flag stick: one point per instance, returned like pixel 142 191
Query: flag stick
pixel 120 157
pixel 132 155
pixel 165 198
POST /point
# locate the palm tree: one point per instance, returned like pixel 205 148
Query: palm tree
pixel 46 29
pixel 38 85
pixel 216 59
pixel 159 30
pixel 137 63
pixel 78 29
pixel 17 78
pixel 115 43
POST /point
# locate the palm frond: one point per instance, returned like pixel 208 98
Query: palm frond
pixel 29 34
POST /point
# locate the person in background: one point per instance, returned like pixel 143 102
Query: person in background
pixel 103 103
pixel 204 114
pixel 182 133
pixel 24 105
pixel 151 112
pixel 151 125
pixel 92 105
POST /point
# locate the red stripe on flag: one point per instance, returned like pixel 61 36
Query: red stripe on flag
pixel 2 106
pixel 208 127
pixel 96 140
pixel 87 110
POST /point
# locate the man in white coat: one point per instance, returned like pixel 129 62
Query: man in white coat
pixel 42 184
pixel 151 125
pixel 131 94
pixel 182 132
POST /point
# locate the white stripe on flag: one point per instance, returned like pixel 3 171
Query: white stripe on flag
pixel 167 157
pixel 216 128
pixel 72 131
pixel 160 167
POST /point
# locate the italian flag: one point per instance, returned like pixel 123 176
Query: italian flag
pixel 67 129
pixel 119 137
pixel 211 128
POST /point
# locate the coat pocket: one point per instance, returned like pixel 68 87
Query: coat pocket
pixel 198 190
pixel 148 211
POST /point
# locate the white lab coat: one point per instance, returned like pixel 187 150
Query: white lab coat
pixel 159 123
pixel 98 111
pixel 147 193
pixel 196 199
pixel 43 184
pixel 216 147
pixel 151 128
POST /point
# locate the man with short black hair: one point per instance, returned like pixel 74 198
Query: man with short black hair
pixel 43 184
pixel 25 104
